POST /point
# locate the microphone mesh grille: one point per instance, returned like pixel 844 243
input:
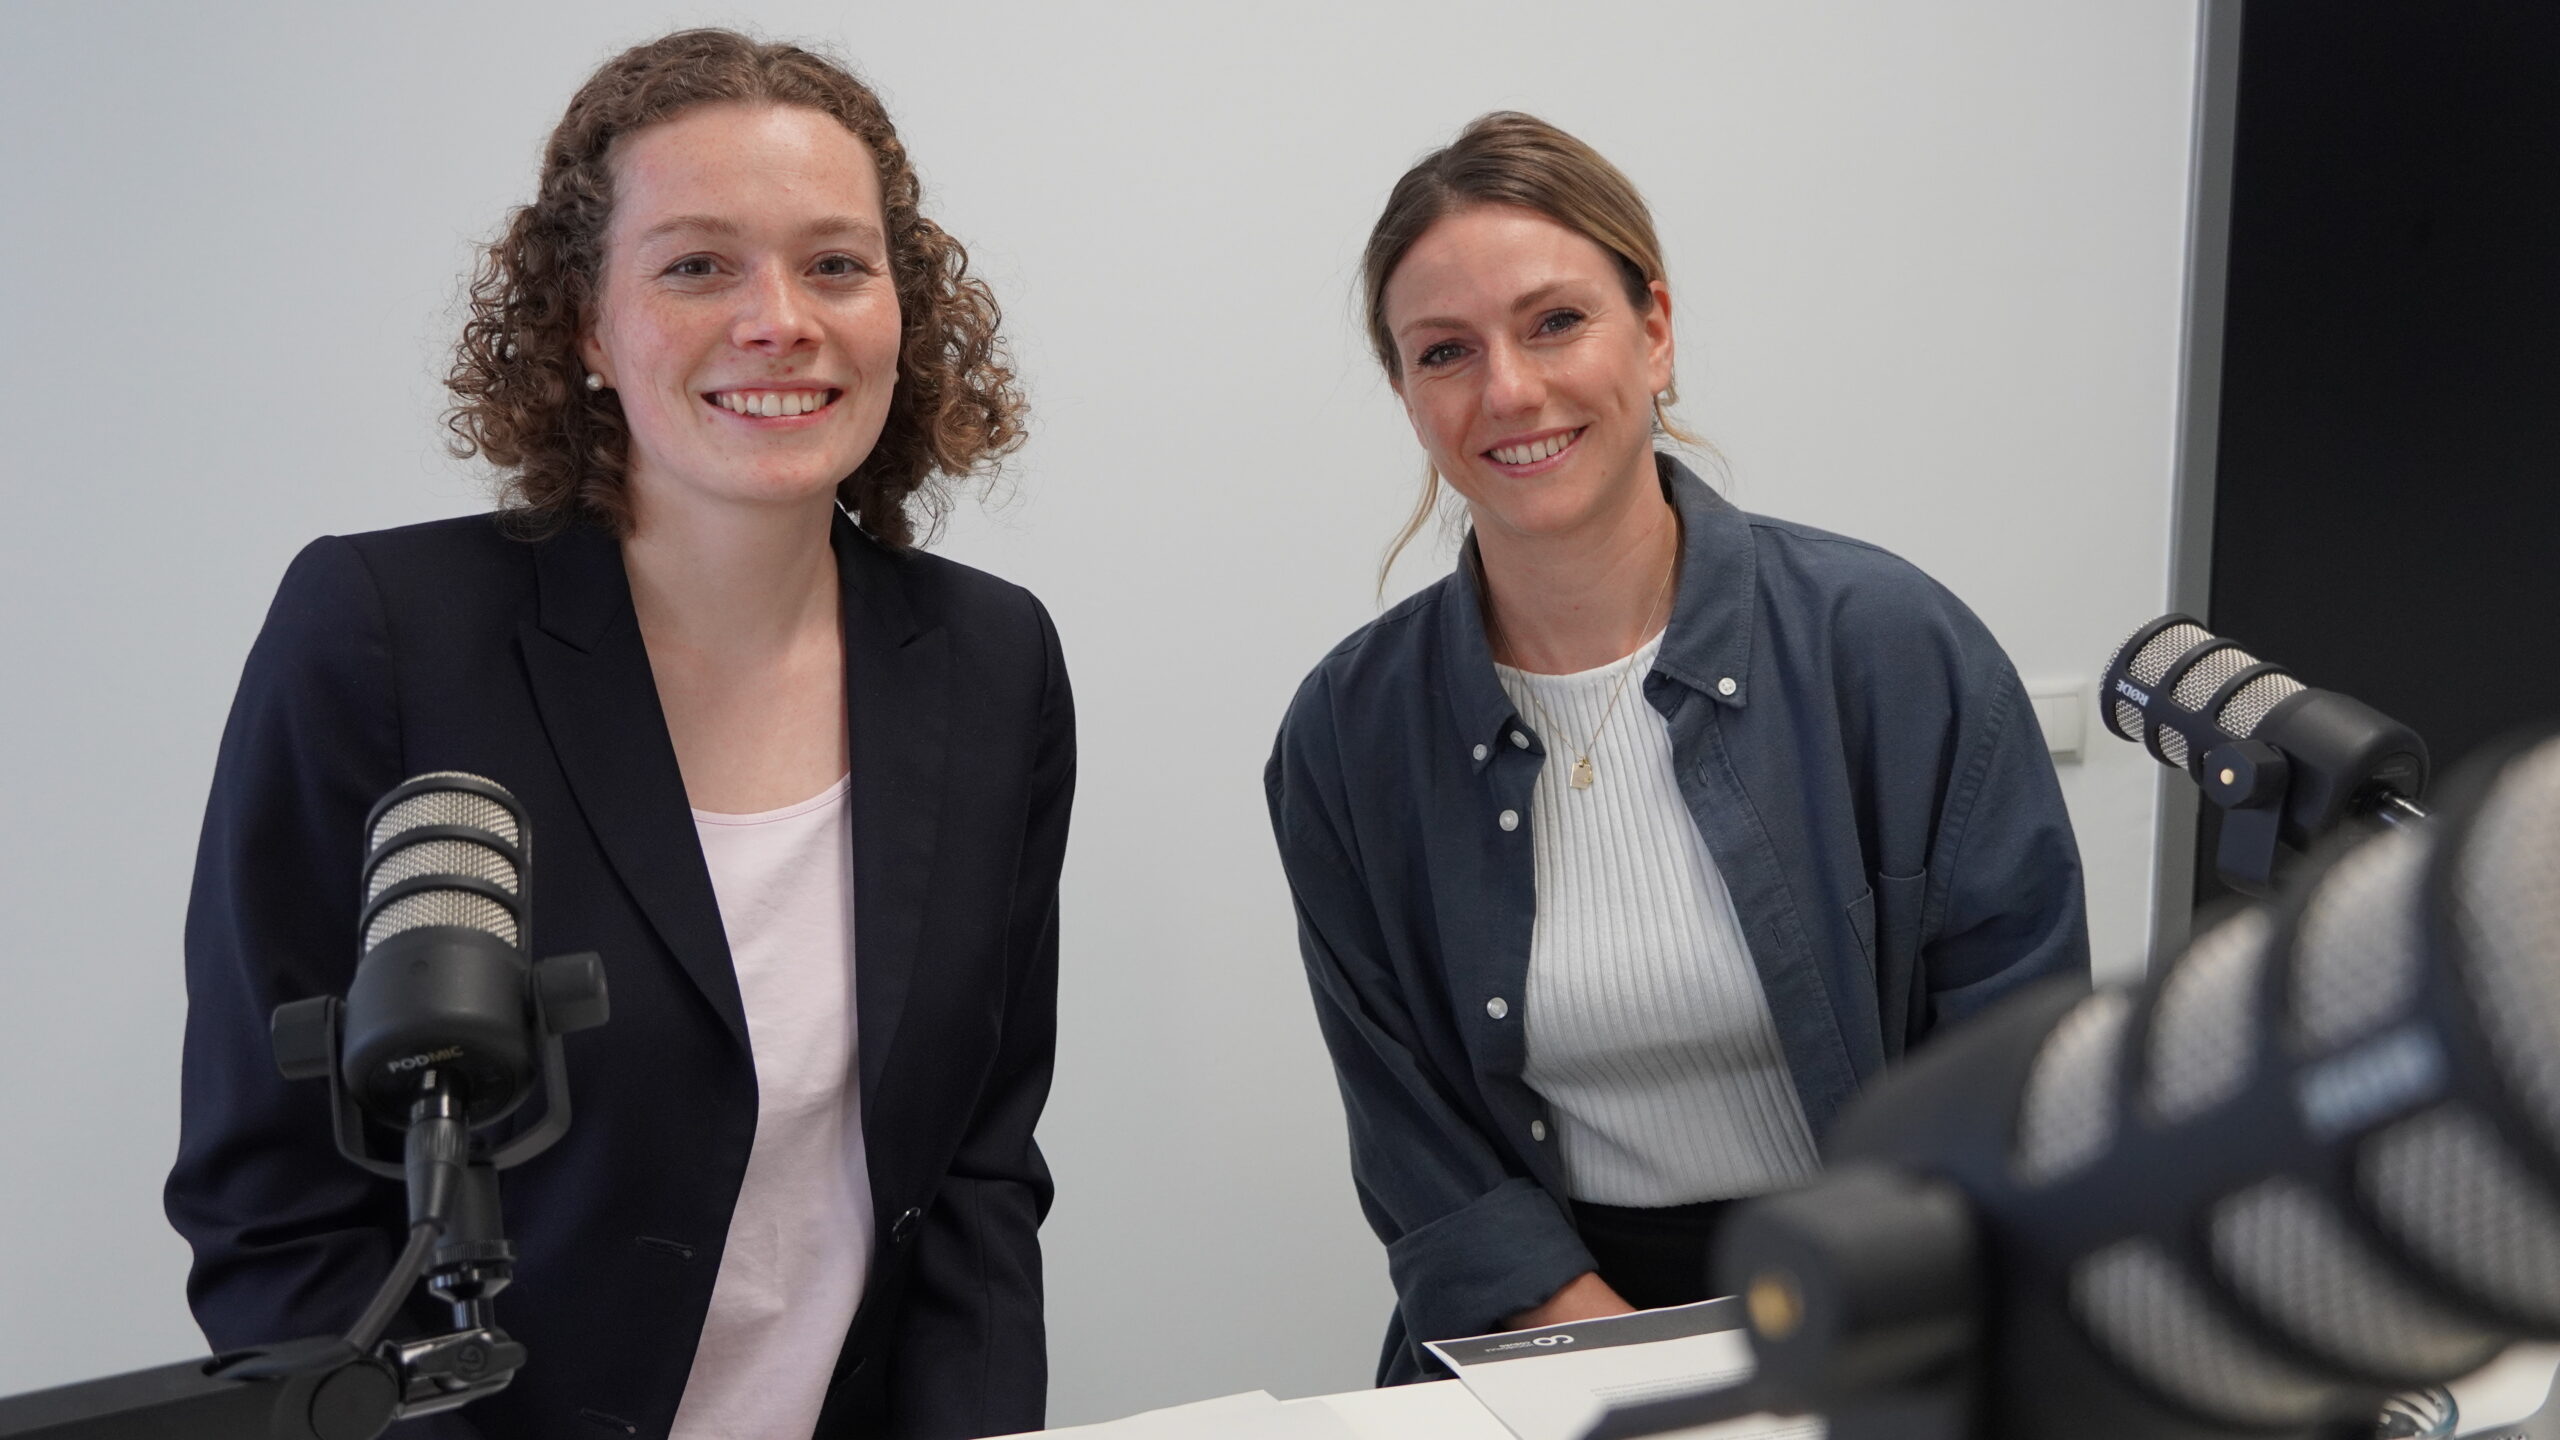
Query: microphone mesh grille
pixel 2068 1113
pixel 2203 1035
pixel 429 857
pixel 2161 651
pixel 2362 950
pixel 2174 746
pixel 442 857
pixel 447 807
pixel 440 907
pixel 2450 1190
pixel 2155 1320
pixel 2507 913
pixel 2206 676
pixel 2128 720
pixel 2247 708
pixel 2291 1256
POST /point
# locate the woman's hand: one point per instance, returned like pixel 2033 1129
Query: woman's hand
pixel 1585 1297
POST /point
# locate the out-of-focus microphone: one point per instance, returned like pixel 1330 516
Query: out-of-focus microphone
pixel 2314 1161
pixel 2287 763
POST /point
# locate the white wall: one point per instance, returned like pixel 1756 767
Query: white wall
pixel 1928 262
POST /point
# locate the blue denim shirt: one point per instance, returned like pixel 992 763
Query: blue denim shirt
pixel 1858 755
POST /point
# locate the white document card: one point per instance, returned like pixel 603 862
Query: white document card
pixel 1554 1383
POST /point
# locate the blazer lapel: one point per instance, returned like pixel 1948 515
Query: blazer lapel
pixel 599 705
pixel 897 682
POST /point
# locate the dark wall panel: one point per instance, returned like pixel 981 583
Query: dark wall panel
pixel 2387 507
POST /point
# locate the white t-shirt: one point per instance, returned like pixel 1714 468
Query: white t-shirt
pixel 1649 1034
pixel 799 1245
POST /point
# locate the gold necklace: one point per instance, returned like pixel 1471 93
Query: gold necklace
pixel 1583 774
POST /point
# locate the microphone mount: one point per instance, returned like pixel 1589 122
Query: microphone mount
pixel 472 1259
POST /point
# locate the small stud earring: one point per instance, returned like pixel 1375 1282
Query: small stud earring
pixel 594 381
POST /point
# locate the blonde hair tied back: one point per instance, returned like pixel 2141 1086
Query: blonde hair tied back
pixel 1508 158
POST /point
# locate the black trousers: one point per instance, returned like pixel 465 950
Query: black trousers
pixel 1652 1257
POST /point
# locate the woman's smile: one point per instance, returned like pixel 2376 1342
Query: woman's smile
pixel 774 409
pixel 1534 454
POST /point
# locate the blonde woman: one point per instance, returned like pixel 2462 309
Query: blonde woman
pixel 1626 853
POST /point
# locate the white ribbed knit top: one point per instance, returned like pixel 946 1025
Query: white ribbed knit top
pixel 1649 1035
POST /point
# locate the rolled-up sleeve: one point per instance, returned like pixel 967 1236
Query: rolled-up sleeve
pixel 1471 1238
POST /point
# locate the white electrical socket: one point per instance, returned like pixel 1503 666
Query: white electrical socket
pixel 2062 708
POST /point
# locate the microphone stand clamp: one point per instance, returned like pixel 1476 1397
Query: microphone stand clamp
pixel 2250 780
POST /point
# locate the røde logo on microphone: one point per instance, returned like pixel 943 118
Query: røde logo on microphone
pixel 431 1057
pixel 2134 693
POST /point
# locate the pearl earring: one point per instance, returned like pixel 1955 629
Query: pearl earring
pixel 594 381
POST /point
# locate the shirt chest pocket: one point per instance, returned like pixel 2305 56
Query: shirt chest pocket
pixel 1886 919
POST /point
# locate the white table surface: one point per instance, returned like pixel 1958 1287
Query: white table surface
pixel 2506 1391
pixel 1434 1410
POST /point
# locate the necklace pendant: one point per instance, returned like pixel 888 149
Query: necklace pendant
pixel 1582 772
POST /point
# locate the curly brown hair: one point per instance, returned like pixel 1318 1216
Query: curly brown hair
pixel 517 379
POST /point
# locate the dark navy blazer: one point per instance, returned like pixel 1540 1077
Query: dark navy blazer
pixel 1863 765
pixel 452 647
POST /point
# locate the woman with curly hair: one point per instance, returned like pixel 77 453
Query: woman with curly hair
pixel 803 786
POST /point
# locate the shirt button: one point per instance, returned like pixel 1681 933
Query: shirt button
pixel 1537 1129
pixel 1519 739
pixel 1726 686
pixel 1508 820
pixel 1497 1007
pixel 1479 752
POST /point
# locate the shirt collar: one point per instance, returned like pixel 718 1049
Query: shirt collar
pixel 1708 644
pixel 1716 609
pixel 1483 713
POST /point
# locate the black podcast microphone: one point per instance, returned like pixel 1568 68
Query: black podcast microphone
pixel 438 1034
pixel 445 1032
pixel 439 1002
pixel 2314 1161
pixel 2286 762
